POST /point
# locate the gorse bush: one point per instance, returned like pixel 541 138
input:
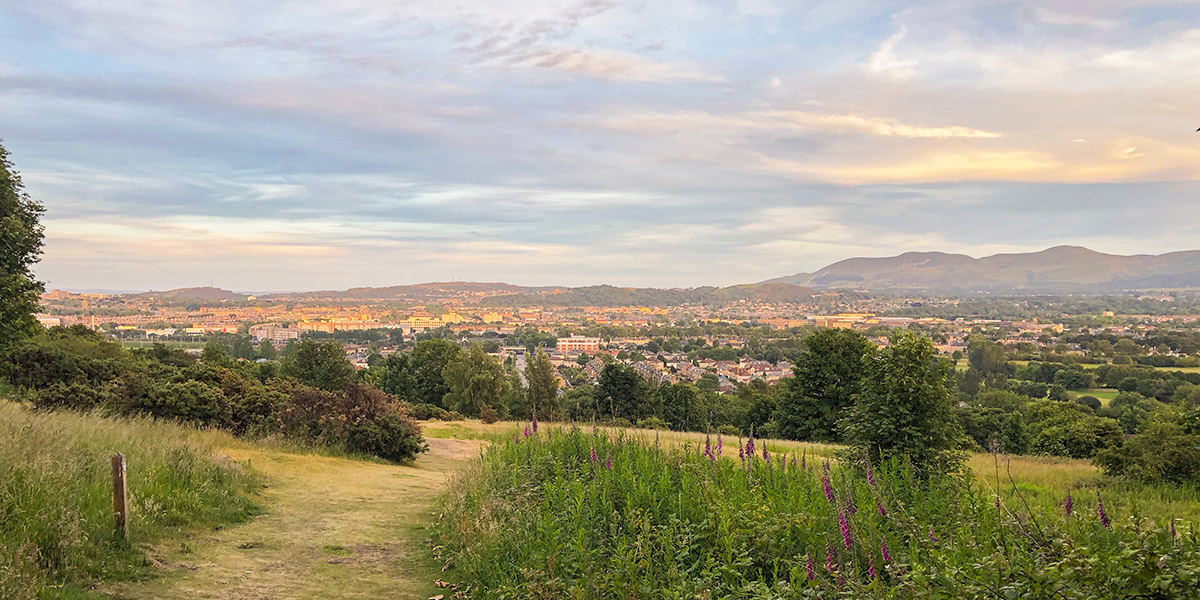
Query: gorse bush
pixel 77 368
pixel 570 514
pixel 56 523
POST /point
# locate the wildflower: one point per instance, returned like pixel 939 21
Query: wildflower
pixel 847 538
pixel 828 488
pixel 1068 504
pixel 883 550
pixel 574 428
pixel 766 455
pixel 804 459
pixel 848 503
pixel 870 475
pixel 608 462
pixel 719 444
pixel 707 445
pixel 932 538
pixel 870 567
pixel 592 455
pixel 1171 528
pixel 750 447
pixel 526 432
pixel 741 453
pixel 808 567
pixel 879 505
pixel 1100 512
pixel 517 438
pixel 793 461
pixel 535 422
pixel 830 551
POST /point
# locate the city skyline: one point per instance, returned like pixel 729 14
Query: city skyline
pixel 331 145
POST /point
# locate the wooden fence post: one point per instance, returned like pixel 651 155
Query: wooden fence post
pixel 120 496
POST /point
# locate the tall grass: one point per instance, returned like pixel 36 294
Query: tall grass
pixel 57 536
pixel 571 514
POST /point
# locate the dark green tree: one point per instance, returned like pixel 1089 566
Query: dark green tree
pixel 426 362
pixel 827 376
pixel 543 386
pixel 320 364
pixel 267 350
pixel 904 408
pixel 20 248
pixel 475 380
pixel 679 404
pixel 621 393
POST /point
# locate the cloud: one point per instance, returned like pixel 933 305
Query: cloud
pixel 887 62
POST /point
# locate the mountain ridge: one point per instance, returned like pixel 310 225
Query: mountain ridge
pixel 1056 269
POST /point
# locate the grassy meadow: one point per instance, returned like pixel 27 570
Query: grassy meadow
pixel 565 513
pixel 57 537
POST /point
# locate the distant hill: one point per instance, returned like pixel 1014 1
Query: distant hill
pixel 1055 270
pixel 206 293
pixel 607 295
pixel 419 291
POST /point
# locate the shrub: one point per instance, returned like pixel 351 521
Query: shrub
pixel 1164 451
pixel 360 419
pixel 488 415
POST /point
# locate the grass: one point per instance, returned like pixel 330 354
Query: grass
pixel 569 514
pixel 56 523
pixel 334 526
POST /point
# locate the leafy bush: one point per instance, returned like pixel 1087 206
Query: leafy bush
pixel 425 412
pixel 360 419
pixel 1164 450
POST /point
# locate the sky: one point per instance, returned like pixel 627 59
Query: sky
pixel 325 144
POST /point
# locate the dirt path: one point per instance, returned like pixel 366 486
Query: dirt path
pixel 333 528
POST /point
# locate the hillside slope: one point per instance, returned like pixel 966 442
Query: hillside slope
pixel 1058 269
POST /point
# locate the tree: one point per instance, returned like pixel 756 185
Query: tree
pixel 426 362
pixel 215 355
pixel 475 380
pixel 320 364
pixel 985 355
pixel 242 348
pixel 20 248
pixel 679 404
pixel 621 393
pixel 904 408
pixel 543 386
pixel 827 375
pixel 267 350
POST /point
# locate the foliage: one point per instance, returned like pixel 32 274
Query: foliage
pixel 358 419
pixel 543 387
pixel 475 380
pixel 426 363
pixel 827 376
pixel 56 527
pixel 621 393
pixel 1165 450
pixel 320 364
pixel 904 408
pixel 1068 429
pixel 79 369
pixel 20 248
pixel 568 514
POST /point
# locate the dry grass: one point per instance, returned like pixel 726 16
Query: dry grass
pixel 335 527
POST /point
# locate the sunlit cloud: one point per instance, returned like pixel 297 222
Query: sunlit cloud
pixel 325 143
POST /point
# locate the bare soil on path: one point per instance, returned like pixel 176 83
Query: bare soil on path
pixel 331 528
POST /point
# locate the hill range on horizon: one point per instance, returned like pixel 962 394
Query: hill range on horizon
pixel 1060 269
